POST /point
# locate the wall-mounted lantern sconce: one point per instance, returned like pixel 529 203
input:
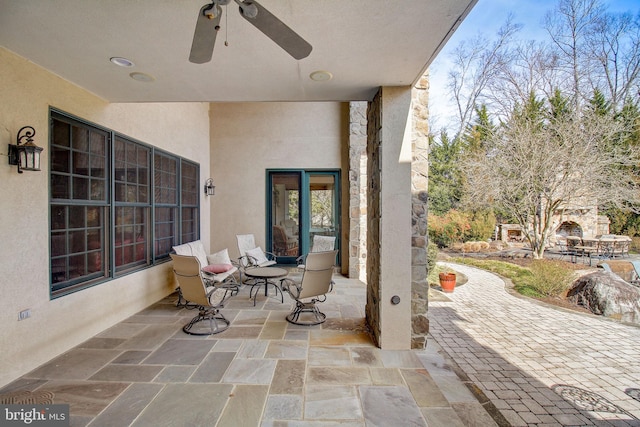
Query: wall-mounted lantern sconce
pixel 209 188
pixel 25 153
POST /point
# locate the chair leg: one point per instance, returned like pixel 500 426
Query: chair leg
pixel 182 302
pixel 318 317
pixel 179 303
pixel 217 322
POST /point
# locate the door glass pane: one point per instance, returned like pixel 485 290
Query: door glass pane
pixel 285 214
pixel 322 209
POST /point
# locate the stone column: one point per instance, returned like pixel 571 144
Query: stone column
pixel 389 218
pixel 358 190
pixel 419 236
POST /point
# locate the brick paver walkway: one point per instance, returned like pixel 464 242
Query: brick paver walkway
pixel 537 364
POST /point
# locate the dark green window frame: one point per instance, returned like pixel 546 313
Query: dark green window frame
pixel 117 205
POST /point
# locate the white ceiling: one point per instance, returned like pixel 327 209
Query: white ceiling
pixel 363 43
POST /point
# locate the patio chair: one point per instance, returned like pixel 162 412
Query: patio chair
pixel 282 245
pixel 252 255
pixel 208 300
pixel 217 268
pixel 621 246
pixel 290 227
pixel 311 288
pixel 320 244
pixel 603 250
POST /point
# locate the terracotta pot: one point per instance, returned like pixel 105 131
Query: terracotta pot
pixel 447 282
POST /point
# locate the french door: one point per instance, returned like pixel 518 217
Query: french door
pixel 300 205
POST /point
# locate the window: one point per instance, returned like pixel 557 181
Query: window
pixel 132 204
pixel 190 210
pixel 166 196
pixel 79 204
pixel 103 199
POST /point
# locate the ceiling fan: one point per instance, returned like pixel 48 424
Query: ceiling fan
pixel 208 25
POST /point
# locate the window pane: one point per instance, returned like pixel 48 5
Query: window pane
pixel 60 159
pixel 130 237
pixel 189 224
pixel 60 187
pixel 77 266
pixel 143 175
pixel 98 144
pixel 77 241
pixel 80 138
pixel 61 133
pixel 189 189
pixel 58 270
pixel 80 188
pixel 121 150
pixel 58 244
pixel 80 163
pixel 98 190
pixel 94 217
pixel 77 217
pixel 58 217
pixel 94 262
pixel 143 194
pixel 165 231
pixel 98 167
pixel 166 180
pixel 121 191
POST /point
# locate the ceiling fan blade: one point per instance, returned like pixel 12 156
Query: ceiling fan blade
pixel 204 37
pixel 275 29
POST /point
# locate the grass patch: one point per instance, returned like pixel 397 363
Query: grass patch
pixel 545 278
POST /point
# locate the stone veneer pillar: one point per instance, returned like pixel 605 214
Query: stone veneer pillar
pixel 388 311
pixel 419 236
pixel 358 190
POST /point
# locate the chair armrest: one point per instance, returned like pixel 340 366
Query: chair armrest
pixel 247 261
pixel 216 296
pixel 291 287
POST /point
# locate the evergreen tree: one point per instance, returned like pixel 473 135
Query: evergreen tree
pixel 445 177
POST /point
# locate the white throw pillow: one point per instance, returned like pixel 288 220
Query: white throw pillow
pixel 258 255
pixel 221 257
pixel 195 249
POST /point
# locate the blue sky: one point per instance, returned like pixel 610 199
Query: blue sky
pixel 486 18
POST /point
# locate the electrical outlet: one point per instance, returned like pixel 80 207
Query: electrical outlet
pixel 24 314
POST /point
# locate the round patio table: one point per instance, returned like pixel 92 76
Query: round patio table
pixel 265 276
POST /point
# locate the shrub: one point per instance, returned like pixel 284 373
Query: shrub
pixel 432 255
pixel 550 278
pixel 449 228
pixel 482 225
pixel 458 226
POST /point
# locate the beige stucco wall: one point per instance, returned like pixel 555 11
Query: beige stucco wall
pixel 26 92
pixel 247 139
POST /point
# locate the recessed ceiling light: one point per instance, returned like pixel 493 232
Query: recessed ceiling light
pixel 122 62
pixel 321 76
pixel 142 77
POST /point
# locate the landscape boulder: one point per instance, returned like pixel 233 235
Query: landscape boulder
pixel 607 294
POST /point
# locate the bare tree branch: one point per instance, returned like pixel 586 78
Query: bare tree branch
pixel 534 168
